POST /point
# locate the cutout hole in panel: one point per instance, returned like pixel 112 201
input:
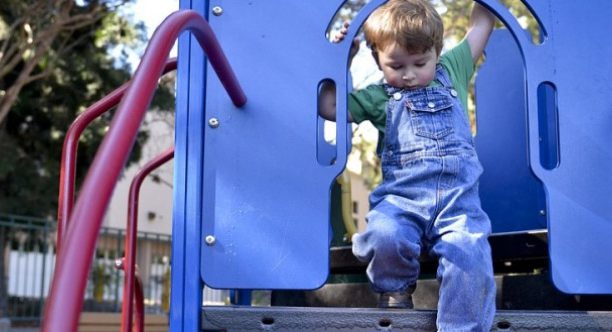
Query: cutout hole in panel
pixel 548 125
pixel 455 15
pixel 384 323
pixel 267 321
pixel 504 325
pixel 345 13
pixel 326 104
pixel 527 20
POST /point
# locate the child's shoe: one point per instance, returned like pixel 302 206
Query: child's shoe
pixel 396 300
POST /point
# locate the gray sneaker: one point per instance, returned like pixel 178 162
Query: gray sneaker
pixel 396 300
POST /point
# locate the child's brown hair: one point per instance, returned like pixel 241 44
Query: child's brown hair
pixel 413 24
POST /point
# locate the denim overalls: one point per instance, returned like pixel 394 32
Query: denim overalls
pixel 429 198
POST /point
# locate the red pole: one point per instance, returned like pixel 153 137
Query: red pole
pixel 139 298
pixel 69 151
pixel 65 300
pixel 130 242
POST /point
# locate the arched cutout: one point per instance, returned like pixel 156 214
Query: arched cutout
pixel 548 125
pixel 526 18
pixel 345 13
pixel 326 98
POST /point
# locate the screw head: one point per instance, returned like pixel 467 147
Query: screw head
pixel 542 212
pixel 217 10
pixel 213 122
pixel 210 240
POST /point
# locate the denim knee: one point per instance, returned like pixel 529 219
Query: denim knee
pixel 393 258
pixel 465 253
pixel 386 240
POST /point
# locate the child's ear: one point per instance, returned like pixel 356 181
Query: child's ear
pixel 375 56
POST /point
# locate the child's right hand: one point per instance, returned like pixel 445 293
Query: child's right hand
pixel 340 37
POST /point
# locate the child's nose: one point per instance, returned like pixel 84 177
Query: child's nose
pixel 408 76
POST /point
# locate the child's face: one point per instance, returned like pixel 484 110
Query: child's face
pixel 327 101
pixel 406 70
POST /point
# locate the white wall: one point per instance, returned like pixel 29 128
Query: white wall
pixel 155 198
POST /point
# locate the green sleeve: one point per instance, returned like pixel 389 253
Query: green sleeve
pixel 460 66
pixel 369 104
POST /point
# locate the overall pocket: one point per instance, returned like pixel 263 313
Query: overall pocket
pixel 432 116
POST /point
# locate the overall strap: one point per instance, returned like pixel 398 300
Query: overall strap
pixel 390 90
pixel 443 77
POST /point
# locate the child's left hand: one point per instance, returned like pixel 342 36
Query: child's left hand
pixel 340 37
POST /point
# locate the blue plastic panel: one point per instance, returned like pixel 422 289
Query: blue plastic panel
pixel 573 60
pixel 580 188
pixel 510 193
pixel 266 195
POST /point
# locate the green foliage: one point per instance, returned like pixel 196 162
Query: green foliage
pixel 456 15
pixel 32 134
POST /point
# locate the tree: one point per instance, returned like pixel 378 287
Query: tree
pixel 35 35
pixel 457 14
pixel 54 63
pixel 75 71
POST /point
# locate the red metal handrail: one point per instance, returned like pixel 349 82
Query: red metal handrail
pixel 138 297
pixel 69 151
pixel 63 306
pixel 129 265
pixel 68 172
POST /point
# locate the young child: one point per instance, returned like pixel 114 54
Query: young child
pixel 428 198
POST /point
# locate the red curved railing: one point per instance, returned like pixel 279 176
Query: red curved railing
pixel 68 173
pixel 63 306
pixel 138 296
pixel 69 151
pixel 129 266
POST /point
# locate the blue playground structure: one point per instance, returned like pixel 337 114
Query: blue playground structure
pixel 252 183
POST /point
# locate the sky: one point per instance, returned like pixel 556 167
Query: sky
pixel 152 13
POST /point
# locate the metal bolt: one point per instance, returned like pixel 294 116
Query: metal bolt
pixel 217 11
pixel 542 212
pixel 213 122
pixel 210 240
